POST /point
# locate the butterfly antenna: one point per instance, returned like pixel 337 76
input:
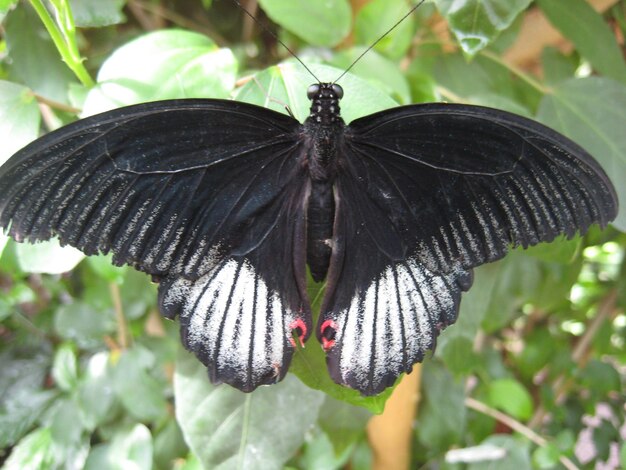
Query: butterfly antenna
pixel 271 33
pixel 379 39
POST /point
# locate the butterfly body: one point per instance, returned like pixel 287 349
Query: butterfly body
pixel 226 203
pixel 325 127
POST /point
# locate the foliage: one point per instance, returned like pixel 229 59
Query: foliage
pixel 93 377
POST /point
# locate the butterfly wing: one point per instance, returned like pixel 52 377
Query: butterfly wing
pixel 194 192
pixel 426 193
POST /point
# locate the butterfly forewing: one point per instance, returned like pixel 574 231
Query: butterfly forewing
pixel 426 193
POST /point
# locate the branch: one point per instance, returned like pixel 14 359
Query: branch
pixel 516 426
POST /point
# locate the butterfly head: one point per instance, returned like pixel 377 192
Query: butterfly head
pixel 325 102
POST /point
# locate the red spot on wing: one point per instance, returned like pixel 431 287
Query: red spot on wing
pixel 299 327
pixel 329 330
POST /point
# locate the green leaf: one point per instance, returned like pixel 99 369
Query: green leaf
pixel 96 396
pixel 320 455
pixel 593 111
pixel 139 391
pixel 225 427
pixel 476 23
pixel 104 267
pixel 5 6
pixel 593 38
pixel 19 118
pixel 65 368
pixel 556 66
pixel 318 23
pixel 286 84
pixel 34 58
pixel 47 257
pixel 560 250
pixel 70 442
pixel 375 19
pixel 622 455
pixel 600 379
pixel 83 324
pixel 511 397
pixel 22 401
pixel 96 13
pixel 442 416
pixel 35 451
pixel 131 449
pixel 342 423
pixel 377 70
pixel 169 445
pixel 162 65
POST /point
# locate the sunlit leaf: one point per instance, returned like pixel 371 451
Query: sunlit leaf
pixel 47 257
pixel 34 59
pixel 376 18
pixel 19 118
pixel 65 368
pixel 592 111
pixel 131 449
pixel 162 65
pixel 511 397
pixel 319 23
pixel 232 429
pixel 476 23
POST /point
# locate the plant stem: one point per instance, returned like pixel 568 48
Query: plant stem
pixel 516 426
pixel 122 327
pixel 65 42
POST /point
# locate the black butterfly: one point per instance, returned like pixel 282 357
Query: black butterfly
pixel 225 203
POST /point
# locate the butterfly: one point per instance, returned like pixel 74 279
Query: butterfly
pixel 225 204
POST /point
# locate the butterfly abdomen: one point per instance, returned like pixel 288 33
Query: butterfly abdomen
pixel 320 217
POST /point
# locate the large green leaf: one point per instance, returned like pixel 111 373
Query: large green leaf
pixel 227 428
pixel 476 23
pixel 163 65
pixel 286 84
pixel 592 111
pixel 319 23
pixel 593 38
pixel 47 257
pixel 375 19
pixel 376 69
pixel 34 59
pixel 132 449
pixel 19 118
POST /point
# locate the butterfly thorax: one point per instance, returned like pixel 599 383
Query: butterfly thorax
pixel 324 128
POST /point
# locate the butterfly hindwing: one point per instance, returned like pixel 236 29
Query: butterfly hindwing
pixel 243 318
pixel 426 193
